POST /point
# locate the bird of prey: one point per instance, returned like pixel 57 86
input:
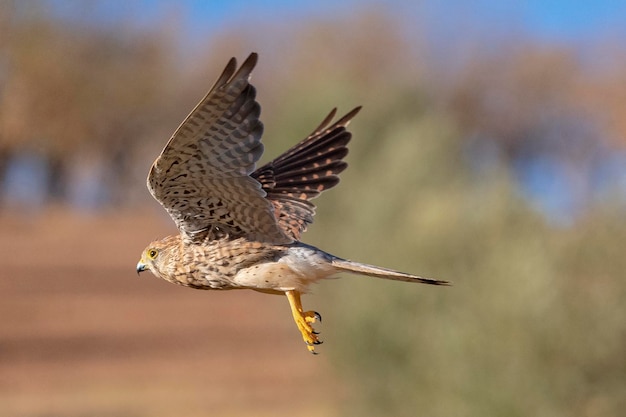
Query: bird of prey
pixel 240 227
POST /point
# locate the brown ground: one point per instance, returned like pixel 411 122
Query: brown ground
pixel 82 335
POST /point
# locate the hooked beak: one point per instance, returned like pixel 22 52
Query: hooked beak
pixel 141 267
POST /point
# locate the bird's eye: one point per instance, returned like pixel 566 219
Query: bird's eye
pixel 152 253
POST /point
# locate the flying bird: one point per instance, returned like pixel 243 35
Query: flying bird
pixel 240 227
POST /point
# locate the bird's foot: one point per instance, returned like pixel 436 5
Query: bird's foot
pixel 304 321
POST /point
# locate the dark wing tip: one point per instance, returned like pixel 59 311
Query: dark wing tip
pixel 433 281
pixel 326 121
pixel 253 58
pixel 345 120
pixel 226 74
pixel 248 65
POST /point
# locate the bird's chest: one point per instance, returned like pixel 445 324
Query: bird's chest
pixel 215 265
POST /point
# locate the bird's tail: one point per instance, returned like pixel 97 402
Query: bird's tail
pixel 378 272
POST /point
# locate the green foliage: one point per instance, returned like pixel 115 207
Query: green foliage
pixel 534 323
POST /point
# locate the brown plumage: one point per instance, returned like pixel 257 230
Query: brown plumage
pixel 241 227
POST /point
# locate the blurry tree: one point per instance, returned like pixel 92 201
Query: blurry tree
pixel 542 109
pixel 602 94
pixel 533 322
pixel 73 94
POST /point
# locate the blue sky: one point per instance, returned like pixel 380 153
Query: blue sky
pixel 551 20
pixel 562 19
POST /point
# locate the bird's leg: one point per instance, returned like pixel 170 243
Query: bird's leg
pixel 304 320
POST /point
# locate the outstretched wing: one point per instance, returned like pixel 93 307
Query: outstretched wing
pixel 202 177
pixel 304 171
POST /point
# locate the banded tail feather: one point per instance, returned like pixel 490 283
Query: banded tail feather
pixel 379 272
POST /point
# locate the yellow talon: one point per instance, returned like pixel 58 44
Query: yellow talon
pixel 303 320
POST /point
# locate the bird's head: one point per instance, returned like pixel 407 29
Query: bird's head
pixel 156 257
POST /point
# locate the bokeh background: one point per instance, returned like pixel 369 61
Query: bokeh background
pixel 490 152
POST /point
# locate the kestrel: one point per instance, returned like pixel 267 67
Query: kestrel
pixel 240 227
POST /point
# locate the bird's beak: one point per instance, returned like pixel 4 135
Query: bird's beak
pixel 141 267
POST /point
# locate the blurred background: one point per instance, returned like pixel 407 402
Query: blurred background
pixel 491 152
